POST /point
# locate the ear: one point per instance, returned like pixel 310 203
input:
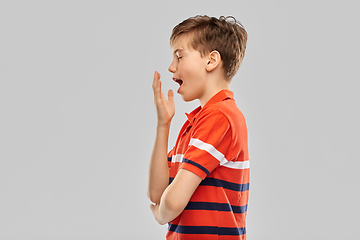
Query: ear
pixel 214 59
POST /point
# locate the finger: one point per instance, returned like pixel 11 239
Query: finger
pixel 162 94
pixel 157 85
pixel 156 76
pixel 155 80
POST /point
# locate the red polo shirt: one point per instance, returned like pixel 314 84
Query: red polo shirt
pixel 213 144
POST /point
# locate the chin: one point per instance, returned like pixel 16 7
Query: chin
pixel 187 98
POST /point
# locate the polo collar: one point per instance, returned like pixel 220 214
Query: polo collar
pixel 191 116
pixel 218 97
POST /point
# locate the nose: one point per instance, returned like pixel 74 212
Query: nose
pixel 172 67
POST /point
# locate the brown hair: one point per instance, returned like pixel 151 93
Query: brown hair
pixel 225 35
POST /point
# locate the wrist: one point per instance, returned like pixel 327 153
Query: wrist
pixel 164 125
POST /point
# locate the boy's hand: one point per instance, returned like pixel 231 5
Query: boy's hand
pixel 165 108
pixel 155 210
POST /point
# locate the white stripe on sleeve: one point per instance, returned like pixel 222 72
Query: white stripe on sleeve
pixel 208 148
pixel 238 165
pixel 177 158
pixel 218 155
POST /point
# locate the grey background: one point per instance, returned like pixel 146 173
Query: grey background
pixel 77 120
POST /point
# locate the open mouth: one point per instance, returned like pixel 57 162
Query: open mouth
pixel 179 81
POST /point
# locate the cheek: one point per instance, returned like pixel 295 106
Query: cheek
pixel 188 69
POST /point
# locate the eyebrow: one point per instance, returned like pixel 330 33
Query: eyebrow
pixel 178 50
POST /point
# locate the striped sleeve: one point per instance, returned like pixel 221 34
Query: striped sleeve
pixel 210 140
pixel 169 156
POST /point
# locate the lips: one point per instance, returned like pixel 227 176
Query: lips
pixel 179 81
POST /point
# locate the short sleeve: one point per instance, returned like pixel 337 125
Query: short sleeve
pixel 210 140
pixel 169 156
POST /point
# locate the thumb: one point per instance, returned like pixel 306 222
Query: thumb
pixel 152 207
pixel 171 95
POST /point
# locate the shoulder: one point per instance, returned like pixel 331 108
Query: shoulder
pixel 211 122
pixel 224 115
pixel 213 115
pixel 227 108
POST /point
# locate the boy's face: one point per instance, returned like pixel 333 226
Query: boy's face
pixel 189 69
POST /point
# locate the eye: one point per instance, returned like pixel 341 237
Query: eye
pixel 178 58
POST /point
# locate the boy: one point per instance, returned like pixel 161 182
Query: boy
pixel 208 168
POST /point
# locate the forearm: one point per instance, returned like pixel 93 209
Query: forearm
pixel 176 196
pixel 158 167
pixel 169 207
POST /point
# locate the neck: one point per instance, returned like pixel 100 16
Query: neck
pixel 221 85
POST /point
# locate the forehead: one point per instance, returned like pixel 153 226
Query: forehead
pixel 181 43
